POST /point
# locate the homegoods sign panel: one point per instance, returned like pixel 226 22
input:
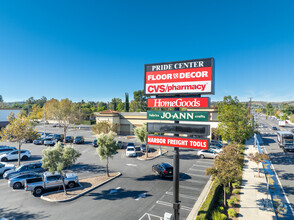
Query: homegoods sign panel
pixel 182 77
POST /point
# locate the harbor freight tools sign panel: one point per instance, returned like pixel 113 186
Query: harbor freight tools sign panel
pixel 181 77
pixel 177 115
pixel 178 102
pixel 191 129
pixel 196 143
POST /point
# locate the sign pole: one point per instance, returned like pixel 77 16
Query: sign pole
pixel 176 176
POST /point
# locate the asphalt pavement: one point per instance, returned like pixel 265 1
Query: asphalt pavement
pixel 137 194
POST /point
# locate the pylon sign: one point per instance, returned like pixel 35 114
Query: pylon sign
pixel 180 77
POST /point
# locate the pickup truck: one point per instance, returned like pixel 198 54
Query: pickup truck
pixel 48 181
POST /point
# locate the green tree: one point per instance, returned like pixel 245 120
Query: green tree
pixel 141 134
pixel 104 127
pixel 127 103
pixel 65 112
pixel 235 122
pixel 114 103
pixel 107 147
pixel 121 107
pixel 227 167
pixel 269 109
pixel 19 129
pixel 258 158
pixel 59 158
pixel 140 101
pixel 1 98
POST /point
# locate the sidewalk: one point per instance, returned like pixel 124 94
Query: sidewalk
pixel 255 200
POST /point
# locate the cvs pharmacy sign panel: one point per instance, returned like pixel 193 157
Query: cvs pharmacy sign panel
pixel 182 77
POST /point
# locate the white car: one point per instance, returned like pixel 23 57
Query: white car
pixel 207 154
pixel 131 152
pixel 13 155
pixel 6 149
pixel 5 166
pixel 50 141
pixel 216 149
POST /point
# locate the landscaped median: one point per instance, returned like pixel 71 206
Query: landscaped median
pixel 86 185
pixel 151 155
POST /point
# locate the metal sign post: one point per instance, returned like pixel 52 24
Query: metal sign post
pixel 176 204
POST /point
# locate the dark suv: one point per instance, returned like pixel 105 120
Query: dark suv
pixel 25 168
pixel 164 170
pixel 59 137
pixel 69 139
pixel 79 140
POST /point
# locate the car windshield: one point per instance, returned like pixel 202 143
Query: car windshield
pixel 130 149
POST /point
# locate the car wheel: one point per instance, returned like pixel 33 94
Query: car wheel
pixel 161 176
pixel 71 184
pixel 25 157
pixel 38 191
pixel 202 156
pixel 4 159
pixel 17 185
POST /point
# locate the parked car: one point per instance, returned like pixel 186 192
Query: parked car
pixel 4 167
pixel 17 182
pixel 292 130
pixel 216 143
pixel 143 148
pixel 56 125
pixel 131 144
pixel 29 140
pixel 95 143
pixel 69 139
pixel 79 140
pixel 6 149
pixel 207 154
pixel 35 167
pixel 274 128
pixel 38 185
pixel 50 141
pixel 216 149
pixel 39 141
pixel 131 151
pixel 59 137
pixel 13 155
pixel 164 170
pixel 120 144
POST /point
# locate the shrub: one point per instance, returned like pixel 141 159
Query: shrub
pixel 235 199
pixel 236 191
pixel 220 209
pixel 227 190
pixel 216 215
pixel 232 213
pixel 230 202
pixel 236 185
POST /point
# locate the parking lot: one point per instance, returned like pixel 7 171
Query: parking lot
pixel 135 195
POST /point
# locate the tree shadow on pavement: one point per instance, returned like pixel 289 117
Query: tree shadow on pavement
pixel 119 194
pixel 267 141
pixel 12 213
pixel 184 156
pixel 281 158
pixel 81 168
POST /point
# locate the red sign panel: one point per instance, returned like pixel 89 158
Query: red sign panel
pixel 195 143
pixel 178 102
pixel 182 77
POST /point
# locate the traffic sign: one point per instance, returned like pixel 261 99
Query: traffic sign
pixel 177 115
pixel 195 143
pixel 191 129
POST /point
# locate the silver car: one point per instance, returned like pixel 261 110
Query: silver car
pixel 207 154
pixel 18 182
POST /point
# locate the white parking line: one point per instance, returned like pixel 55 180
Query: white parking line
pixel 171 205
pixel 197 170
pixel 197 165
pixel 131 165
pixel 205 162
pixel 192 174
pixel 196 181
pixel 151 215
pixel 182 195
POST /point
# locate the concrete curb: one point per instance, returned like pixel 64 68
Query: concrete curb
pixel 151 158
pixel 200 200
pixel 77 196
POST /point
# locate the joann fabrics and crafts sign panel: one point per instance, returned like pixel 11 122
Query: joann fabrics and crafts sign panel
pixel 182 77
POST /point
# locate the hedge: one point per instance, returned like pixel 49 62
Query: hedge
pixel 207 205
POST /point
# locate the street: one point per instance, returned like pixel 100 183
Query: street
pixel 283 162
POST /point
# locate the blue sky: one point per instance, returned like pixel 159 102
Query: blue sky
pixel 96 50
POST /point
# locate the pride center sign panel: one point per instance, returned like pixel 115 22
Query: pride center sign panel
pixel 182 77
